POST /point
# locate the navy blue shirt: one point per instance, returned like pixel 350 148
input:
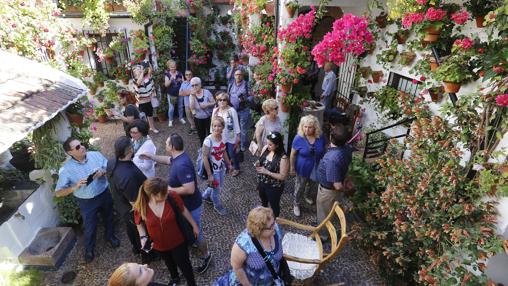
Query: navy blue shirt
pixel 182 172
pixel 174 88
pixel 334 166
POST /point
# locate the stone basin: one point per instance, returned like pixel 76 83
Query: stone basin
pixel 49 248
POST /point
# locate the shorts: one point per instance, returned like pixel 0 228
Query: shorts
pixel 146 108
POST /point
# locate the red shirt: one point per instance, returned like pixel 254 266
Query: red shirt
pixel 164 231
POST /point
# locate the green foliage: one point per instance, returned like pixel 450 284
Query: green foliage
pixel 480 7
pixel 493 182
pixel 8 177
pixel 48 153
pixel 99 77
pixel 140 10
pixel 30 277
pixel 164 40
pixel 95 15
pixel 454 69
pixel 387 102
pixel 68 210
pixel 386 57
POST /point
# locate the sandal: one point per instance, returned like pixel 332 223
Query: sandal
pixel 235 173
pixel 155 131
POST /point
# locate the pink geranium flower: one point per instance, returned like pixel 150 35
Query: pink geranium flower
pixel 460 17
pixel 421 2
pixel 435 14
pixel 502 100
pixel 464 44
pixel 412 18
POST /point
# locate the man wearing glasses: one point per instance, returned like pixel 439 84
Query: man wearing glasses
pixel 185 91
pixel 238 97
pixel 83 176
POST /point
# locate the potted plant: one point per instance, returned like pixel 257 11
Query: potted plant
pixel 433 63
pixel 109 55
pixel 99 78
pixel 291 7
pixel 382 20
pixel 428 22
pixel 162 113
pixel 92 87
pixel 377 76
pixel 453 72
pixel 402 36
pixel 285 80
pixel 365 72
pixel 101 114
pixel 479 9
pixel 407 57
pixel 74 113
pixel 436 93
pixel 269 8
pixel 123 72
pixel 387 102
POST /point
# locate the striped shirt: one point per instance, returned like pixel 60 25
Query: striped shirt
pixel 146 87
pixel 73 171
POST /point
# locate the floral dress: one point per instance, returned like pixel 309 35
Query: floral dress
pixel 255 268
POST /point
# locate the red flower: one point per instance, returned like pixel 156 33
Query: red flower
pixel 480 50
pixel 422 78
pixel 295 81
pixel 415 81
pixel 498 69
pixel 300 70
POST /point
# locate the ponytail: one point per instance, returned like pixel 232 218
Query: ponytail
pixel 141 202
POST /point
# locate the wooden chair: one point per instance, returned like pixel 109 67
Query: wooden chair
pixel 305 254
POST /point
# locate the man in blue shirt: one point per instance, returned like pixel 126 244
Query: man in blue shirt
pixel 182 180
pixel 239 97
pixel 232 68
pixel 329 86
pixel 83 176
pixel 332 171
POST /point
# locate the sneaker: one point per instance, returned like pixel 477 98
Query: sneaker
pixel 208 200
pixel 114 242
pixel 89 256
pixel 155 131
pixel 170 124
pixel 296 210
pixel 309 201
pixel 206 262
pixel 220 210
pixel 182 121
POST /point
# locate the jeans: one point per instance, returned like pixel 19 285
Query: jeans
pixel 179 256
pixel 303 186
pixel 245 124
pixel 203 127
pixel 181 107
pixel 201 242
pixel 103 204
pixel 214 192
pixel 270 194
pixel 172 101
pixel 232 155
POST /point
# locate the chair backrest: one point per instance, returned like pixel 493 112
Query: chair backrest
pixel 337 243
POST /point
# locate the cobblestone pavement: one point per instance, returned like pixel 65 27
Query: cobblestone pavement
pixel 351 266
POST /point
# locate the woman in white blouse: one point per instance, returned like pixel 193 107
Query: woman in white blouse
pixel 142 143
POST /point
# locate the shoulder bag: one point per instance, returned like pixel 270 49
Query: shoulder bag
pixel 279 279
pixel 183 223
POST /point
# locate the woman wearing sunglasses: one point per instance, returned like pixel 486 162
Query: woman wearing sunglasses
pixel 231 131
pixel 185 91
pixel 270 122
pixel 272 168
pixel 249 268
pixel 307 150
pixel 201 105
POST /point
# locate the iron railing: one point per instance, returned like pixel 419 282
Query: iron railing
pixel 376 148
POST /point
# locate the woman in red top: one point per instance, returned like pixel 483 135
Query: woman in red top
pixel 152 208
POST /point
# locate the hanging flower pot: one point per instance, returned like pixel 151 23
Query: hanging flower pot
pixel 285 87
pixel 74 118
pixel 283 106
pixel 479 21
pixel 109 60
pixel 372 47
pixel 433 64
pixel 92 90
pixel 377 76
pixel 270 8
pixel 401 36
pixel 432 34
pixel 125 81
pixel 102 118
pixel 407 58
pixel 365 71
pixel 451 87
pixel 382 20
pixel 291 10
pixel 436 94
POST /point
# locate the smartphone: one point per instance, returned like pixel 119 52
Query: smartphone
pixel 89 180
pixel 148 245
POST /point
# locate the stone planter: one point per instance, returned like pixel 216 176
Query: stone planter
pixel 451 87
pixel 432 34
pixel 315 108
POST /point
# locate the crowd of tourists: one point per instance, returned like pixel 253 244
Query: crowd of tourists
pixel 162 216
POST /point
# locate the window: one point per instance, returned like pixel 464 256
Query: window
pixel 102 42
pixel 404 83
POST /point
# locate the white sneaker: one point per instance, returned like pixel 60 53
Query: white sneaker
pixel 309 201
pixel 182 121
pixel 170 124
pixel 296 210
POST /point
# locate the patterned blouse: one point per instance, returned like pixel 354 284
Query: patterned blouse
pixel 272 166
pixel 255 268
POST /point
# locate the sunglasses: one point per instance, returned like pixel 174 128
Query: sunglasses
pixel 270 227
pixel 221 99
pixel 77 147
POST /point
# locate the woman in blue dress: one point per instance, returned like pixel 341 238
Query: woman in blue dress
pixel 248 265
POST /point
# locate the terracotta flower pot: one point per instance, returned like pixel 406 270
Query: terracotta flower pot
pixel 100 84
pixel 451 87
pixel 436 95
pixel 408 58
pixel 72 9
pixel 125 81
pixel 119 8
pixel 401 36
pixel 382 20
pixel 285 88
pixel 92 90
pixel 433 64
pixel 365 71
pixel 283 106
pixel 479 21
pixel 432 34
pixel 109 60
pixel 76 119
pixel 377 76
pixel 102 118
pixel 291 11
pixel 270 8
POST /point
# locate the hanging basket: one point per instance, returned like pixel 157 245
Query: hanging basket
pixel 479 21
pixel 283 106
pixel 291 11
pixel 436 95
pixel 451 87
pixel 407 58
pixel 285 88
pixel 75 119
pixel 432 34
pixel 401 36
pixel 365 71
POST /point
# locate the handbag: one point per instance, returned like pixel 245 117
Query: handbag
pixel 253 147
pixel 283 278
pixel 155 101
pixel 183 223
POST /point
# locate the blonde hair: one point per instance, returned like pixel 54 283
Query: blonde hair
pixel 121 277
pixel 151 187
pixel 218 119
pixel 170 62
pixel 257 219
pixel 222 94
pixel 309 119
pixel 269 104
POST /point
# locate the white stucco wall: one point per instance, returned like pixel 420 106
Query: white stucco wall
pixel 17 233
